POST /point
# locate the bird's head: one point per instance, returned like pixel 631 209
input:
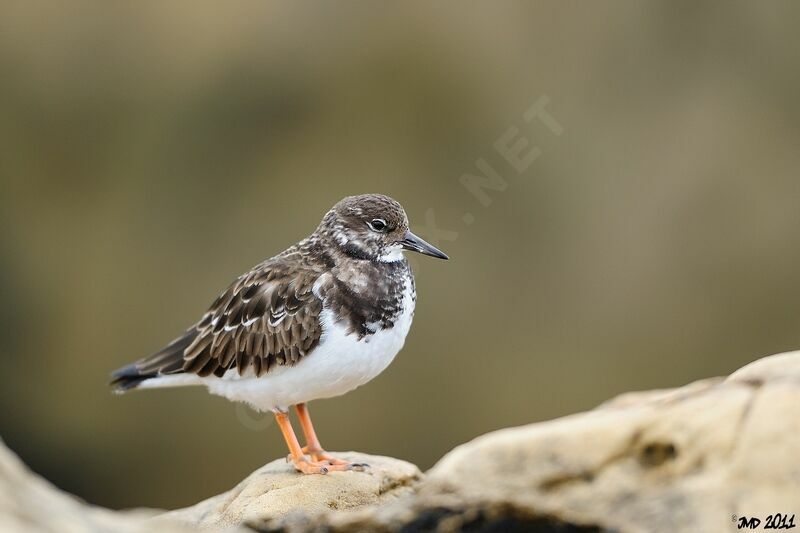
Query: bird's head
pixel 372 227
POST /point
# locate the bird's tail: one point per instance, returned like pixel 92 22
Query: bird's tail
pixel 167 361
pixel 127 378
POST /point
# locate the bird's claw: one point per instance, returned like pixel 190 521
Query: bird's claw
pixel 310 467
pixel 322 463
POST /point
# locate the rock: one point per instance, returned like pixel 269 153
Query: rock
pixel 29 503
pixel 276 492
pixel 697 458
pixel 780 367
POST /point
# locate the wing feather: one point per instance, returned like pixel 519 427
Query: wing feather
pixel 267 318
pixel 270 318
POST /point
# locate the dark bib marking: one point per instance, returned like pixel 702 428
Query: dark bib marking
pixel 380 305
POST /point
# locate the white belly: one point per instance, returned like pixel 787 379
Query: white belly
pixel 337 365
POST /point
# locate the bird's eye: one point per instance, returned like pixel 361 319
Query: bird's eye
pixel 378 224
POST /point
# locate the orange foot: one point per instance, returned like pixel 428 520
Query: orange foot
pixel 321 460
pixel 310 467
pixel 323 467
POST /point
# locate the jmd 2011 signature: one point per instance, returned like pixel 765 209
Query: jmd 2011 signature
pixel 773 521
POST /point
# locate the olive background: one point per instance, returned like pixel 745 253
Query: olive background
pixel 150 152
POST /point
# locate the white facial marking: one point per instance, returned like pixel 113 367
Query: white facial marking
pixel 392 254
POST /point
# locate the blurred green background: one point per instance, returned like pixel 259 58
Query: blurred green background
pixel 153 151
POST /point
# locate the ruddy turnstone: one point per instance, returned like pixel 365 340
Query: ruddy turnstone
pixel 316 321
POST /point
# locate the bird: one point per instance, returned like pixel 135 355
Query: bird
pixel 316 321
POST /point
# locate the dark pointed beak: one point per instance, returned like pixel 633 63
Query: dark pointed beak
pixel 415 244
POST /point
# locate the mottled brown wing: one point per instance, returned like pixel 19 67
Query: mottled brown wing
pixel 267 318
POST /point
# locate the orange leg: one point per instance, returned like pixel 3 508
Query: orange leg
pixel 296 453
pixel 314 448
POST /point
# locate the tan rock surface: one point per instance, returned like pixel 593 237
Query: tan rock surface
pixel 689 459
pixel 276 491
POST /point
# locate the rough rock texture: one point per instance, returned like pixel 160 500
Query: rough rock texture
pixel 699 458
pixel 28 503
pixel 276 491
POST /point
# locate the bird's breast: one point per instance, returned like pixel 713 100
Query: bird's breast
pixel 365 351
